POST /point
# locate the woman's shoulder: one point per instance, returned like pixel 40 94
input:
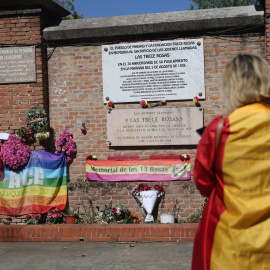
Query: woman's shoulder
pixel 212 126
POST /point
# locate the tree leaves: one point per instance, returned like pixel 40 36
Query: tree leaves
pixel 204 4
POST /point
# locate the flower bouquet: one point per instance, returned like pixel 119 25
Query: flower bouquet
pixel 54 216
pixel 35 219
pixel 116 214
pixel 7 221
pixel 14 152
pixel 65 142
pixel 147 198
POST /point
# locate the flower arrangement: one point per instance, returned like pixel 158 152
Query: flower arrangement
pixel 54 216
pixel 43 135
pixel 83 128
pixel 91 157
pixel 144 103
pixel 25 133
pixel 66 143
pixel 195 100
pixel 35 219
pixel 14 152
pixel 136 193
pixel 7 221
pixel 116 214
pixel 185 157
pixel 110 104
pixel 36 120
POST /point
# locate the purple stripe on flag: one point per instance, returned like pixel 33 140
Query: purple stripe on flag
pixel 135 177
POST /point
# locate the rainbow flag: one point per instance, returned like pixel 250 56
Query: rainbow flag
pixel 138 170
pixel 39 186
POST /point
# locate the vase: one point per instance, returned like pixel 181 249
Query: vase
pixel 167 218
pixel 149 198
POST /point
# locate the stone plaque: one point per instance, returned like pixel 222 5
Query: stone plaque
pixel 157 126
pixel 153 71
pixel 17 65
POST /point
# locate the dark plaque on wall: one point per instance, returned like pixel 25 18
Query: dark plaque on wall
pixel 17 65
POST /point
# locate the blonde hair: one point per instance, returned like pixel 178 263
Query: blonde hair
pixel 246 81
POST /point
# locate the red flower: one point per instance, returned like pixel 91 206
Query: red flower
pixel 114 209
pixel 156 186
pixel 28 216
pixel 141 186
pixel 9 219
pixel 143 103
pixel 160 188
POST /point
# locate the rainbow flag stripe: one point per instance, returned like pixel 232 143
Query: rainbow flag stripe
pixel 39 186
pixel 35 120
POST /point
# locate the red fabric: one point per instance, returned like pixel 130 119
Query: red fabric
pixel 210 184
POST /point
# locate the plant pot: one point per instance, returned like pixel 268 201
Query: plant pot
pixel 167 218
pixel 71 219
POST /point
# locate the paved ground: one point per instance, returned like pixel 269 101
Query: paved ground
pixel 95 256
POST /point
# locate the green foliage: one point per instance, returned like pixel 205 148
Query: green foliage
pixel 71 212
pixel 74 13
pixel 25 133
pixel 36 120
pixel 204 4
pixel 195 217
pixel 89 214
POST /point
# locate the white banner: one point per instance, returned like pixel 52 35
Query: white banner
pixel 153 71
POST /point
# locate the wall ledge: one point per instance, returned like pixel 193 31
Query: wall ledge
pixel 99 233
pixel 155 23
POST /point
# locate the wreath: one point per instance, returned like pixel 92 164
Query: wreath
pixel 14 152
pixel 36 119
pixel 66 143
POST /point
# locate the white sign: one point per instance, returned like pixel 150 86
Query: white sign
pixel 159 126
pixel 17 65
pixel 153 71
pixel 4 136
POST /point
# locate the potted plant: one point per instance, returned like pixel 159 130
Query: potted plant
pixel 71 215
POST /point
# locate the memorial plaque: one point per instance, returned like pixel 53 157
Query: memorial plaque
pixel 159 126
pixel 153 71
pixel 17 65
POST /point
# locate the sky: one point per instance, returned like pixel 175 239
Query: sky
pixel 109 8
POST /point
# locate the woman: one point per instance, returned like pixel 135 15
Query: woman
pixel 234 232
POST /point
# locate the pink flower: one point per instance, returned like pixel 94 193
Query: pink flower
pixel 65 141
pixel 14 152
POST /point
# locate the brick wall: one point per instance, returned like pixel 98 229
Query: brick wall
pixel 17 99
pixel 74 95
pixel 75 92
pixel 22 29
